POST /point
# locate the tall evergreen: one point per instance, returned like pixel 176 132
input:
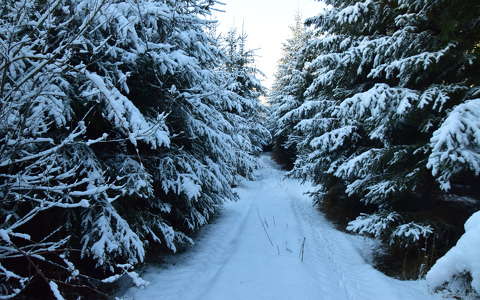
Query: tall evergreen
pixel 287 93
pixel 392 127
pixel 116 137
pixel 243 82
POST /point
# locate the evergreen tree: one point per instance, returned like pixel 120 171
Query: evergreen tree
pixel 392 123
pixel 287 93
pixel 242 81
pixel 116 135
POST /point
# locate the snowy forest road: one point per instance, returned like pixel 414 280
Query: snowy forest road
pixel 272 244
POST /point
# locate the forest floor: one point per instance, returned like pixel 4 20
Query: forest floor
pixel 272 244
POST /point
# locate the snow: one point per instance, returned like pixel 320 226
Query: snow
pixel 353 13
pixel 55 291
pixel 137 280
pixel 4 234
pixel 335 139
pixel 463 257
pixel 191 189
pixel 412 231
pixel 374 224
pixel 377 102
pixel 121 111
pixel 358 165
pixel 112 234
pixel 253 251
pixel 456 144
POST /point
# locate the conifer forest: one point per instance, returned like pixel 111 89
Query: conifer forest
pixel 142 156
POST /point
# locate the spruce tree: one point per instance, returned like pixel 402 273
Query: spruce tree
pixel 287 93
pixel 116 138
pixel 393 125
pixel 242 79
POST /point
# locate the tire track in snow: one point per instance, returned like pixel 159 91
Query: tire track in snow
pixel 326 258
pixel 189 268
pixel 233 258
pixel 319 251
pixel 228 252
pixel 358 279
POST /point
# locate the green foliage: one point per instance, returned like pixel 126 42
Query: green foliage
pixel 287 94
pixel 123 127
pixel 388 115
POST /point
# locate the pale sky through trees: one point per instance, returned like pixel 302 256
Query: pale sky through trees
pixel 266 22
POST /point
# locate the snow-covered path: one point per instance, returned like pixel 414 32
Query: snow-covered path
pixel 254 251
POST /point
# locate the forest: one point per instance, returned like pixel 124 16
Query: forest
pixel 126 127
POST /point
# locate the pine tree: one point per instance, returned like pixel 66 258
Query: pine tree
pixel 287 93
pixel 116 137
pixel 242 81
pixel 393 123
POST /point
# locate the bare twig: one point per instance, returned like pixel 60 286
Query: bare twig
pixel 265 229
pixel 302 249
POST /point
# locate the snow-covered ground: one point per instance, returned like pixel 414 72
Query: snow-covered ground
pixel 254 251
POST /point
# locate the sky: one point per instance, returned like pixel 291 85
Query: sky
pixel 266 22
